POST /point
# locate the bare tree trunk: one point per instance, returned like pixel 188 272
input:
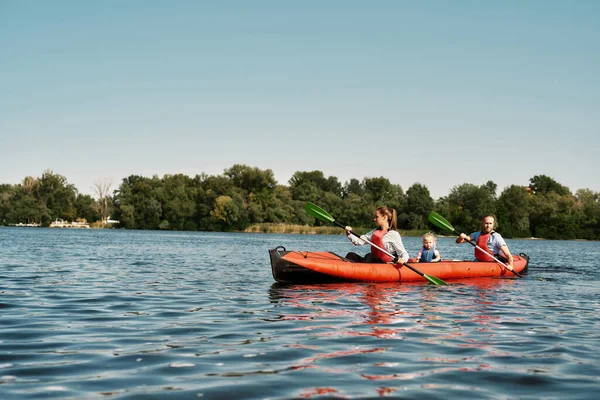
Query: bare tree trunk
pixel 102 189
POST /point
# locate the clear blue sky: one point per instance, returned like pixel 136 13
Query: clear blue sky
pixel 436 92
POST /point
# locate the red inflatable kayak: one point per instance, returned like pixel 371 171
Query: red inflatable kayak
pixel 322 267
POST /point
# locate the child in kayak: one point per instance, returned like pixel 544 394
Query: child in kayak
pixel 428 252
pixel 385 236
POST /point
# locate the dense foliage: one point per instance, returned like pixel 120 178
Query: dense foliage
pixel 244 195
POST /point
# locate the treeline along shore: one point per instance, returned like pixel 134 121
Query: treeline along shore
pixel 247 198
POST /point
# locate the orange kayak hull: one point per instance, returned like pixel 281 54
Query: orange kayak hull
pixel 322 267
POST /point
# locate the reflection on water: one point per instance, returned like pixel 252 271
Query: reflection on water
pixel 434 334
pixel 186 315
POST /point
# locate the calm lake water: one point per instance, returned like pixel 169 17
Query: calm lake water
pixel 139 314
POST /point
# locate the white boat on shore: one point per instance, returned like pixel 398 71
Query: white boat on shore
pixel 60 223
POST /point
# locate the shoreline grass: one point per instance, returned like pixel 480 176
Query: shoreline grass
pixel 317 230
pixel 308 230
pixel 334 230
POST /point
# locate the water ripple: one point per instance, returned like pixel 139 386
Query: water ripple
pixel 129 315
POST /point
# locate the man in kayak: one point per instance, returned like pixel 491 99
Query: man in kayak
pixel 490 241
pixel 385 236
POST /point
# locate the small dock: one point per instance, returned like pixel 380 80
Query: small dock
pixel 59 223
pixel 32 224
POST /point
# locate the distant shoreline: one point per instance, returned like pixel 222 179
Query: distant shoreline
pixel 299 229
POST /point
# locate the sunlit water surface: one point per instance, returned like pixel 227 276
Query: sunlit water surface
pixel 128 314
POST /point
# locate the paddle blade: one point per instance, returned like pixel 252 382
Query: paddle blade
pixel 430 279
pixel 317 212
pixel 440 221
pixel 434 280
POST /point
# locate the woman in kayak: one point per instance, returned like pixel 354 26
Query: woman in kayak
pixel 384 236
pixel 428 252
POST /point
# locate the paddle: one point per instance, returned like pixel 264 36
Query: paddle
pixel 317 212
pixel 441 222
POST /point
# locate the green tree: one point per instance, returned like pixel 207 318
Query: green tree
pixel 258 190
pixel 25 208
pixel 86 207
pixel 252 180
pixel 58 195
pixel 137 202
pixel 588 203
pixel 354 186
pixel 357 211
pixel 122 201
pixel 513 211
pixel 278 207
pixel 468 203
pixel 6 193
pixel 302 177
pixel 542 184
pixel 491 188
pixel 212 187
pixel 307 191
pixel 554 216
pixel 178 200
pixel 418 205
pixel 230 213
pixel 379 190
pixel 302 180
